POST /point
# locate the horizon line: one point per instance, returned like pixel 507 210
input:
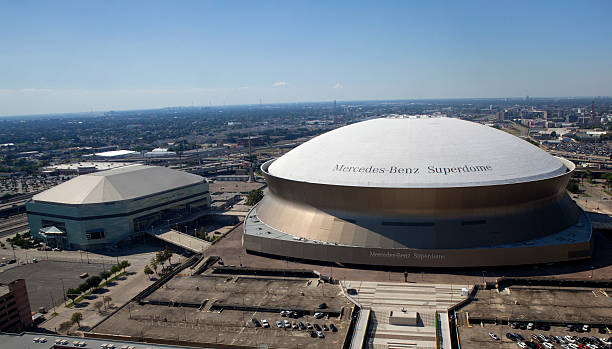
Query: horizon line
pixel 306 102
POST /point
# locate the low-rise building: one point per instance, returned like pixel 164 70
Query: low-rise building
pixel 15 313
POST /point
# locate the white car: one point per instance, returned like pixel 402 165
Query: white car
pixel 287 323
pixel 494 336
pixel 318 315
pixel 279 324
pixel 548 345
pixel 265 323
pixel 521 344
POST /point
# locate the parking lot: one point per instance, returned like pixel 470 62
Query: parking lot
pixel 47 280
pixel 219 309
pixel 550 309
pixel 478 336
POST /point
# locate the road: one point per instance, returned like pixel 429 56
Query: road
pixel 594 198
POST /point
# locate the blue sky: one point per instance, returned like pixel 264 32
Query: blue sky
pixel 70 56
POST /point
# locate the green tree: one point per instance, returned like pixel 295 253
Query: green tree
pixel 72 293
pixel 168 255
pixel 154 264
pixel 106 274
pixel 115 269
pixel 148 272
pixel 76 318
pixel 124 265
pixel 83 287
pixel 573 186
pixel 93 281
pixel 254 197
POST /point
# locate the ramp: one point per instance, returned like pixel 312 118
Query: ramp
pixel 179 239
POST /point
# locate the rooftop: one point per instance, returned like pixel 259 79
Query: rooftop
pixel 417 152
pixel 122 183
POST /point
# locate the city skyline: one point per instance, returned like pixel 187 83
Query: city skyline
pixel 78 57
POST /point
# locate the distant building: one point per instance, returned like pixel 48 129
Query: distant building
pixel 232 178
pixel 159 152
pixel 82 167
pixel 110 206
pixel 117 154
pixel 15 313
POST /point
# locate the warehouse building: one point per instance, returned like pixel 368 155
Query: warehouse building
pixel 419 191
pixel 110 206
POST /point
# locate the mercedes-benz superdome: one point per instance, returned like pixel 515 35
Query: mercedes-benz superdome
pixel 111 206
pixel 419 191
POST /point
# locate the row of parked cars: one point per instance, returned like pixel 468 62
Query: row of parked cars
pixel 541 341
pixel 545 327
pixel 314 329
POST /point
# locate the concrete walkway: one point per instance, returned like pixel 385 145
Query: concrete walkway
pixel 179 239
pixel 426 299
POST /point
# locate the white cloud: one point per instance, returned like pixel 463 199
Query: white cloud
pixel 338 85
pixel 279 84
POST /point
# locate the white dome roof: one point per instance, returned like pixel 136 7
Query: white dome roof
pixel 416 153
pixel 123 183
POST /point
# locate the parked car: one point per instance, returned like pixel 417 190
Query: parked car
pixel 255 322
pixel 320 334
pixel 287 323
pixel 325 328
pixel 317 327
pixel 302 326
pixel 279 324
pixel 265 323
pixel 333 328
pixel 318 315
pixel 494 336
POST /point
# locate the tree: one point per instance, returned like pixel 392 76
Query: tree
pixel 99 306
pixel 105 274
pixel 115 269
pixel 148 272
pixel 108 299
pixel 93 281
pixel 168 255
pixel 72 293
pixel 83 287
pixel 124 265
pixel 254 197
pixel 154 264
pixel 573 186
pixel 76 318
pixel 64 326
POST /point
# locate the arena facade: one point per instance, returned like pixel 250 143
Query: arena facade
pixel 419 191
pixel 110 206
